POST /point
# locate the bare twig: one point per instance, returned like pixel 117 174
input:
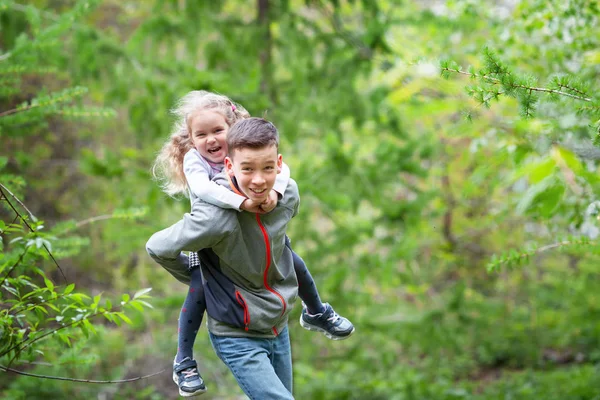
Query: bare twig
pixel 17 199
pixel 61 378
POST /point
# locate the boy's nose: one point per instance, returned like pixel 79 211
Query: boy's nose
pixel 258 179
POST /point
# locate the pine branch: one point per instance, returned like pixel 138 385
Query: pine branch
pixel 515 257
pixel 519 86
pixel 44 101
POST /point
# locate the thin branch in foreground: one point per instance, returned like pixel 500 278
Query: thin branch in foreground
pixel 61 378
pixel 19 347
pixel 4 188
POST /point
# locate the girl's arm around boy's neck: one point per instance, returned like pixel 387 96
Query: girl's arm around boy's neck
pixel 197 174
pixel 282 180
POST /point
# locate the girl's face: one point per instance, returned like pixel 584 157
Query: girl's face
pixel 209 129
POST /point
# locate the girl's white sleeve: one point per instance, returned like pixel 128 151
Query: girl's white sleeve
pixel 203 187
pixel 282 180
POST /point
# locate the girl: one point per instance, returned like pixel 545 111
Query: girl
pixel 188 161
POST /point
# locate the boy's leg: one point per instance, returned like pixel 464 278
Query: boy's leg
pixel 185 368
pixel 249 360
pixel 281 358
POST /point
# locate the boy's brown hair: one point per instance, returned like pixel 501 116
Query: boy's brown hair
pixel 253 133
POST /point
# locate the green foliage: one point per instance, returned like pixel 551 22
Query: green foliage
pixel 40 317
pixel 404 203
pixel 35 307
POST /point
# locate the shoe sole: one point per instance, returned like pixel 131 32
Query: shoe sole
pixel 187 394
pixel 310 327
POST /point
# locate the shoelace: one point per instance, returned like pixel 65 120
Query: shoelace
pixel 189 373
pixel 334 318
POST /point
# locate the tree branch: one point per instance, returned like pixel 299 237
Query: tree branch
pixel 2 189
pixel 61 378
pixel 535 89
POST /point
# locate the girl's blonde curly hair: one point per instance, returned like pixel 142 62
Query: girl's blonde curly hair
pixel 168 166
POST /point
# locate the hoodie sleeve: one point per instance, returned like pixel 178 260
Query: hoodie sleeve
pixel 282 180
pixel 203 228
pixel 197 176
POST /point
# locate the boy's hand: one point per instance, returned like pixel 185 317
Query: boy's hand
pixel 269 204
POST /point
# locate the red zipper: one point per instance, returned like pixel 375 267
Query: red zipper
pixel 268 248
pixel 242 302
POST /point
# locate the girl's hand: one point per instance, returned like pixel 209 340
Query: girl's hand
pixel 252 206
pixel 269 204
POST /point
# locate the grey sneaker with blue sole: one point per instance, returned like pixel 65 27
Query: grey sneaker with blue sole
pixel 187 377
pixel 332 325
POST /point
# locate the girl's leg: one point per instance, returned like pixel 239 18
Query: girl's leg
pixel 317 316
pixel 185 368
pixel 307 289
pixel 190 317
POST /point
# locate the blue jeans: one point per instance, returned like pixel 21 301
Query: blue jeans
pixel 262 367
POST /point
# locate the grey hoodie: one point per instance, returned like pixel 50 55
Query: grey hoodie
pixel 249 281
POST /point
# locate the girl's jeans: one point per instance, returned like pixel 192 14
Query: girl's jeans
pixel 262 367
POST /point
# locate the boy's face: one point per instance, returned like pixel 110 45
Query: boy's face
pixel 255 170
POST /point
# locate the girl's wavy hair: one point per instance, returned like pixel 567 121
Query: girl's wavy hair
pixel 168 166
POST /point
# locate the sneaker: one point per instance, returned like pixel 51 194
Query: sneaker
pixel 187 377
pixel 333 326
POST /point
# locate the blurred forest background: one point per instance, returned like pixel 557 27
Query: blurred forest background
pixel 445 154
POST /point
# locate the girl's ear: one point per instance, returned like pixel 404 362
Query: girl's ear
pixel 229 166
pixel 279 163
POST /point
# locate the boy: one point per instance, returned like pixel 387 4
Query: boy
pixel 250 284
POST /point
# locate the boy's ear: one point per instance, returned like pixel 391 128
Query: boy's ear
pixel 229 166
pixel 279 163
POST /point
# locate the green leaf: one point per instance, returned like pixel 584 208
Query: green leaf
pixel 568 158
pixel 124 318
pixel 49 284
pixel 135 304
pixel 141 293
pixel 145 303
pixel 69 288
